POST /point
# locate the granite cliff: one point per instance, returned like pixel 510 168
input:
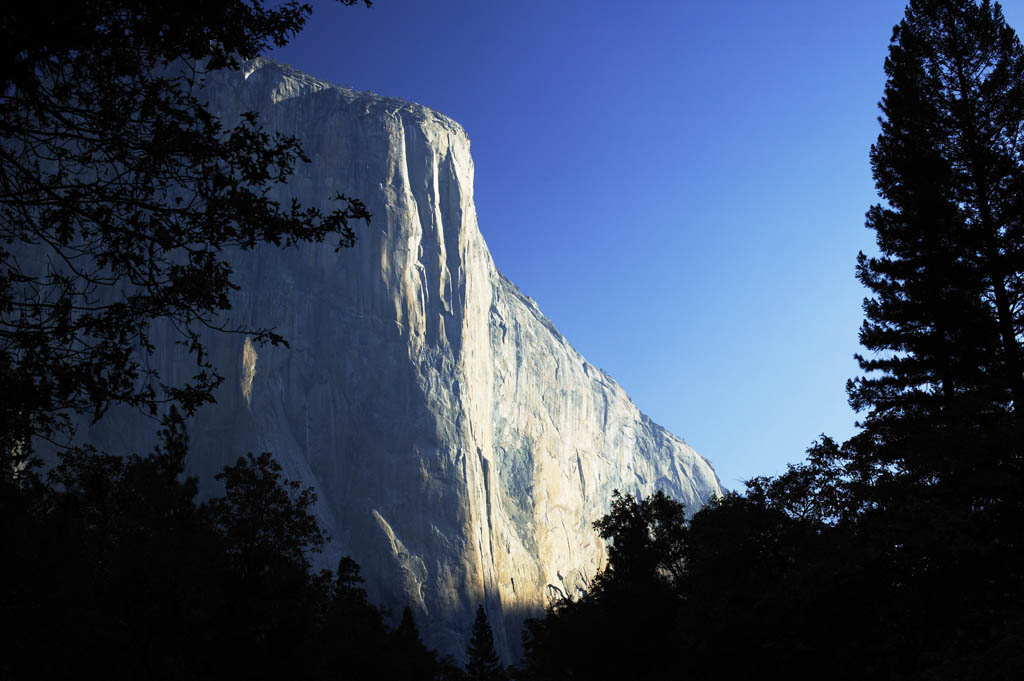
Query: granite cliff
pixel 460 447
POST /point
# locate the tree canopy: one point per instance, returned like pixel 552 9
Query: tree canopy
pixel 483 663
pixel 944 383
pixel 114 569
pixel 121 194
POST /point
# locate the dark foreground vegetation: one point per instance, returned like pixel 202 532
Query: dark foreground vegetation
pixel 112 569
pixel 895 555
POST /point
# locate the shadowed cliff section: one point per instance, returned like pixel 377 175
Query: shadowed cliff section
pixel 459 446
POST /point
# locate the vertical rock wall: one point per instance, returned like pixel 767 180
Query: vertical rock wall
pixel 460 447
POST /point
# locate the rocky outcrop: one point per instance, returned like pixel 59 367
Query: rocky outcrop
pixel 460 447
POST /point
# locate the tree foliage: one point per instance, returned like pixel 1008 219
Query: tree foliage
pixel 625 625
pixel 113 569
pixel 121 195
pixel 483 663
pixel 646 539
pixel 944 384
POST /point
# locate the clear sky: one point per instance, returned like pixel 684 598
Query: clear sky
pixel 679 184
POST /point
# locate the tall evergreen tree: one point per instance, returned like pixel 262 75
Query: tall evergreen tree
pixel 930 492
pixel 483 663
pixel 944 384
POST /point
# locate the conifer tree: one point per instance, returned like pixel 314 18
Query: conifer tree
pixel 930 492
pixel 926 502
pixel 407 635
pixel 484 663
pixel 944 384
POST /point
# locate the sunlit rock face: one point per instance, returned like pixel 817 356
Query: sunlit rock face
pixel 460 447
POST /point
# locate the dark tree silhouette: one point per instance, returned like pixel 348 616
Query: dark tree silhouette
pixel 938 469
pixel 920 511
pixel 407 634
pixel 115 565
pixel 483 663
pixel 933 485
pixel 113 570
pixel 264 518
pixel 624 625
pixel 944 385
pixel 742 582
pixel 266 532
pixel 646 539
pixel 412 659
pixel 120 194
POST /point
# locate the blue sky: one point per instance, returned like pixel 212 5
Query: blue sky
pixel 680 185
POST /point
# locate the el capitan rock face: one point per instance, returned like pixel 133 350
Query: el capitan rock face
pixel 460 447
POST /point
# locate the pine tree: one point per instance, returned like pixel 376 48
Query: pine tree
pixel 407 635
pixel 484 663
pixel 944 385
pixel 926 502
pixel 932 488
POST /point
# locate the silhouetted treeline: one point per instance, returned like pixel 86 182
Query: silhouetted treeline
pixel 747 588
pixel 898 554
pixel 112 570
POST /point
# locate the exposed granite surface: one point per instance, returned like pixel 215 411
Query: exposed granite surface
pixel 460 447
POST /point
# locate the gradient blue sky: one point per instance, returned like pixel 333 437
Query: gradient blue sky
pixel 680 185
